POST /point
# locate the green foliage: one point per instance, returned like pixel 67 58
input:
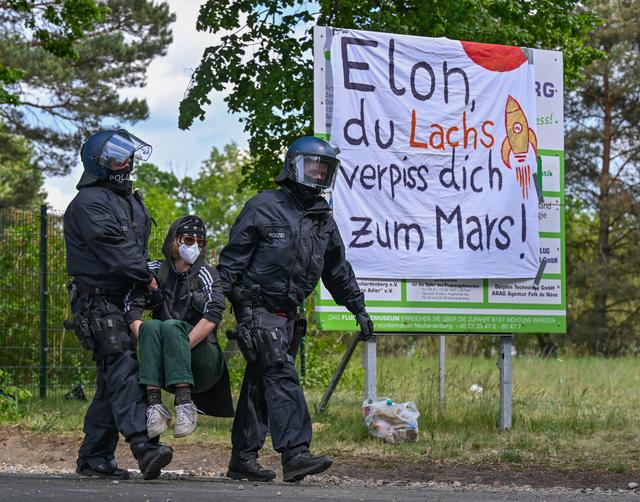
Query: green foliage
pixel 53 26
pixel 213 195
pixel 68 365
pixel 264 55
pixel 216 196
pixel 19 315
pixel 19 254
pixel 54 104
pixel 603 181
pixel 9 76
pixel 20 179
pixel 57 25
pixel 323 351
pixel 10 397
pixel 161 195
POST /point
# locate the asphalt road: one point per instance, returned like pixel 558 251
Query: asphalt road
pixel 14 488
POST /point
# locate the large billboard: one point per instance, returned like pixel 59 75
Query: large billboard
pixel 436 197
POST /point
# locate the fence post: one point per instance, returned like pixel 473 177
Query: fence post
pixel 43 300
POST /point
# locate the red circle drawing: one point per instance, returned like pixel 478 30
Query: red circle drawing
pixel 494 57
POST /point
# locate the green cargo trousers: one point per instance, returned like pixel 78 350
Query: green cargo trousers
pixel 166 358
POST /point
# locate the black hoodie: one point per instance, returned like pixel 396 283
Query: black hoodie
pixel 181 290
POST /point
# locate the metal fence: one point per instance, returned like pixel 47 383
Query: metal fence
pixel 36 353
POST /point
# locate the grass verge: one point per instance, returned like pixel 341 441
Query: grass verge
pixel 578 413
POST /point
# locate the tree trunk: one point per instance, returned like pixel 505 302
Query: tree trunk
pixel 601 285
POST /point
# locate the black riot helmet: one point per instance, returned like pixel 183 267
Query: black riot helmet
pixel 311 162
pixel 106 150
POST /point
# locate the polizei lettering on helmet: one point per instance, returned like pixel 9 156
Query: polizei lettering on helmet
pixel 119 178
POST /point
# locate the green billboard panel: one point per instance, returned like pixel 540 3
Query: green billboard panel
pixel 490 305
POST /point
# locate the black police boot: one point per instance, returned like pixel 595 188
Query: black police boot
pixel 250 470
pixel 106 470
pixel 151 457
pixel 304 464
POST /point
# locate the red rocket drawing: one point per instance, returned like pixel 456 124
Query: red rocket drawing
pixel 518 138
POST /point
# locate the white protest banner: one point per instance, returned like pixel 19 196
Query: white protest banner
pixel 438 150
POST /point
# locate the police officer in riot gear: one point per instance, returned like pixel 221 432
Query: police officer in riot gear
pixel 282 243
pixel 106 230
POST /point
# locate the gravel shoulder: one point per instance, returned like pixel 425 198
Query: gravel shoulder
pixel 23 452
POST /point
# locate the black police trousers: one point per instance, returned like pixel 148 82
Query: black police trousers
pixel 119 405
pixel 271 395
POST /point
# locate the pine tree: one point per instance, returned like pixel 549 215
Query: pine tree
pixel 603 180
pixel 20 178
pixel 57 95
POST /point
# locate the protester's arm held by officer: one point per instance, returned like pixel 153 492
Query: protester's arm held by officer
pixel 212 308
pixel 134 327
pixel 214 297
pixel 200 331
pixel 209 321
pixel 134 306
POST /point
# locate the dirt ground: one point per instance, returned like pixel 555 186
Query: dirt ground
pixel 44 453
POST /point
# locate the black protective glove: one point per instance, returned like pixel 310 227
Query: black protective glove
pixel 366 325
pixel 153 299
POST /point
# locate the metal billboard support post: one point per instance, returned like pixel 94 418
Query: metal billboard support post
pixel 442 342
pixel 506 388
pixel 370 373
pixel 369 361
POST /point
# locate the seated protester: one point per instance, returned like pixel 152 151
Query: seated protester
pixel 178 349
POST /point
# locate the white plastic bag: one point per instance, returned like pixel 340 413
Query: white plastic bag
pixel 393 422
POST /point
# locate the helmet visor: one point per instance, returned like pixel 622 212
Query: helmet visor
pixel 316 171
pixel 120 147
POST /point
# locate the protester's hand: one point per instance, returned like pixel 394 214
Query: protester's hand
pixel 366 325
pixel 153 284
pixel 135 327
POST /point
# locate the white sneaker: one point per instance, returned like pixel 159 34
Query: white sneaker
pixel 186 420
pixel 158 419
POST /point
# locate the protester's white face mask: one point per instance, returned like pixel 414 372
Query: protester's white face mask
pixel 189 253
